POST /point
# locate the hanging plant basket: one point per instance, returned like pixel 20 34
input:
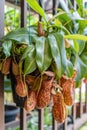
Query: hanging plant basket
pixel 43 65
pixel 37 73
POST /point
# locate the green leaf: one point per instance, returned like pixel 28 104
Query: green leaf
pixel 81 68
pixel 7 45
pixel 57 22
pixel 64 6
pixel 43 54
pixel 81 65
pixel 20 35
pixel 80 3
pixel 55 53
pixel 80 6
pixel 26 51
pixel 78 83
pixel 66 65
pixel 76 46
pixel 35 6
pixel 83 57
pixel 47 55
pixel 76 16
pixel 30 62
pixel 40 47
pixel 67 21
pixel 82 25
pixel 81 46
pixel 76 37
pixel 62 51
pixel 69 69
pixel 55 70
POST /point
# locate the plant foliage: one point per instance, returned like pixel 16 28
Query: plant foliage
pixel 48 50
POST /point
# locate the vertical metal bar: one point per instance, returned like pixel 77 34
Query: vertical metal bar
pixel 1 76
pixel 1 18
pixel 54 4
pixel 40 112
pixel 23 23
pixel 65 125
pixel 1 102
pixel 74 113
pixel 22 119
pixel 54 126
pixel 40 3
pixel 41 119
pixel 72 1
pixel 23 13
pixel 80 98
pixel 86 96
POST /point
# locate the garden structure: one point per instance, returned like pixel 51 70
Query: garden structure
pixel 78 114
